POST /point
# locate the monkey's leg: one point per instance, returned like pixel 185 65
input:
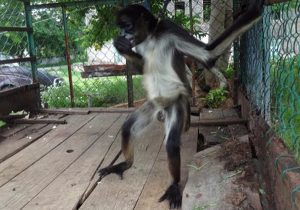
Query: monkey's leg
pixel 174 125
pixel 134 124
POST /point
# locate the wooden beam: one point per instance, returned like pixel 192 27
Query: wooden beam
pixel 221 122
pixel 112 110
pixel 73 3
pixel 38 121
pixel 65 111
pixel 20 29
pixel 84 111
pixel 17 60
pixel 270 2
pixel 25 98
pixel 12 117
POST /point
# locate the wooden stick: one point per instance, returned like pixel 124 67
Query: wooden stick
pixel 12 117
pixel 112 110
pixel 65 111
pixel 38 121
pixel 218 122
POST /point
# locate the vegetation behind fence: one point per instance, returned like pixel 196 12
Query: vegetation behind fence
pixel 268 54
pixel 270 69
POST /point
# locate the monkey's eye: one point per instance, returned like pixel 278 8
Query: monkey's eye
pixel 128 28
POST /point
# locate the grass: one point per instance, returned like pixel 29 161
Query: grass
pixel 103 92
pixel 2 123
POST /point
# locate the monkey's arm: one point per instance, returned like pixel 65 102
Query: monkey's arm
pixel 124 47
pixel 208 54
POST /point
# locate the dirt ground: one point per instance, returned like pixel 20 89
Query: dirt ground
pixel 238 158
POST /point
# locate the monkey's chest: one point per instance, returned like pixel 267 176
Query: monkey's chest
pixel 160 79
pixel 162 82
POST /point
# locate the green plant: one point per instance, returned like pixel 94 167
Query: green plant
pixel 103 92
pixel 216 97
pixel 229 72
pixel 2 123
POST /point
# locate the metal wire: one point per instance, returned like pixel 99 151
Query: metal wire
pixel 270 69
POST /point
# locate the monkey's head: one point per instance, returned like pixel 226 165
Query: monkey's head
pixel 135 23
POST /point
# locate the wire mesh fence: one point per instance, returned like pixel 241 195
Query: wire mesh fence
pixel 13 45
pixel 267 57
pixel 72 72
pixel 89 45
pixel 270 69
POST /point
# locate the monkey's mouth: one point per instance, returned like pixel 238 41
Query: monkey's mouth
pixel 131 40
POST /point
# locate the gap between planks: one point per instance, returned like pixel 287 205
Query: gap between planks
pixel 77 178
pixel 37 177
pixel 19 162
pixel 146 180
pixel 15 143
pixel 114 193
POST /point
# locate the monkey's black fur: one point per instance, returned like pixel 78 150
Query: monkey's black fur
pixel 160 47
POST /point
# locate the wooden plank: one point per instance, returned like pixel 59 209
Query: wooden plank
pixel 30 182
pixel 221 122
pixel 213 134
pixel 84 111
pixel 206 187
pixel 11 146
pixel 211 114
pixel 11 130
pixel 110 158
pixel 114 193
pixel 12 117
pixel 236 130
pixel 18 131
pixel 16 29
pixel 230 113
pixel 73 182
pixel 65 111
pixel 28 156
pixel 38 121
pixel 159 177
pixel 18 60
pixel 111 110
pixel 270 2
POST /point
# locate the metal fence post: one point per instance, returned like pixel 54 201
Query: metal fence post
pixel 68 56
pixel 31 45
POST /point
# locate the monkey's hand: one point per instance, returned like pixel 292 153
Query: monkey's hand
pixel 123 45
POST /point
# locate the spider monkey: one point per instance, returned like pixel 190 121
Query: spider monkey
pixel 160 47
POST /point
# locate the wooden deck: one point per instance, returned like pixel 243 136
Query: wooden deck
pixel 46 166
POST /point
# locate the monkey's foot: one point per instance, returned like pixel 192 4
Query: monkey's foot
pixel 115 169
pixel 161 116
pixel 173 195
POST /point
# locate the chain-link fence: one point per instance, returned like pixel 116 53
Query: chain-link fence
pixel 73 45
pixel 270 69
pixel 75 53
pixel 15 70
pixel 73 42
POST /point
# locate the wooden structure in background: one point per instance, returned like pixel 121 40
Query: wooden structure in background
pixel 21 98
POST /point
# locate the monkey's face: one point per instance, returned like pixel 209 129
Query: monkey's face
pixel 127 29
pixel 133 30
